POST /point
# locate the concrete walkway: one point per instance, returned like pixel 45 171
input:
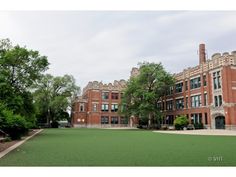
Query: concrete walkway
pixel 200 132
pixel 3 153
pixel 121 128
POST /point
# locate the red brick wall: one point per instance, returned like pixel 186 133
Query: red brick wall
pixel 94 118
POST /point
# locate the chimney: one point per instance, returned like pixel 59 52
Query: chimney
pixel 202 54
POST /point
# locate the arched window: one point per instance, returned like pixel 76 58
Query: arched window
pixel 81 108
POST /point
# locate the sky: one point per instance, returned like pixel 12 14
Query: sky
pixel 105 45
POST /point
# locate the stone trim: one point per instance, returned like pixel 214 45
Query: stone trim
pixel 179 97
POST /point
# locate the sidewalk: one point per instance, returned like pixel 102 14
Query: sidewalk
pixel 201 132
pixel 3 153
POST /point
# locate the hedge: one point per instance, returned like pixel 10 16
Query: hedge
pixel 14 125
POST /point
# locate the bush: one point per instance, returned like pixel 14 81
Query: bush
pixel 7 139
pixel 55 124
pixel 180 122
pixel 14 125
pixel 164 128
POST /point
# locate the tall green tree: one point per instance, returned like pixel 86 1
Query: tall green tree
pixel 143 92
pixel 53 97
pixel 19 69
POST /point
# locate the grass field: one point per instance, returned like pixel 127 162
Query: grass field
pixel 98 147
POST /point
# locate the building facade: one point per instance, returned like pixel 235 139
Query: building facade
pixel 98 106
pixel 206 94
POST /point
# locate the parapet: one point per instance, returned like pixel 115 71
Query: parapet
pixel 233 53
pixel 216 55
pixel 134 72
pixel 116 85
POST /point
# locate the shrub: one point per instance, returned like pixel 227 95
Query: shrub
pixel 12 124
pixel 164 128
pixel 54 124
pixel 198 126
pixel 7 139
pixel 180 122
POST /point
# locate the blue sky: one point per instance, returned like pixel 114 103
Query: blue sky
pixel 105 45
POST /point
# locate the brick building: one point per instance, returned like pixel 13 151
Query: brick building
pixel 98 106
pixel 205 94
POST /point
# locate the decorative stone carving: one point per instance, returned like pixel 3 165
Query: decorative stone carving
pixel 117 85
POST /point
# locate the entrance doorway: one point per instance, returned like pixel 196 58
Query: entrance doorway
pixel 220 122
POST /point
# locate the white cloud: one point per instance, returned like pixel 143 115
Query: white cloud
pixel 106 45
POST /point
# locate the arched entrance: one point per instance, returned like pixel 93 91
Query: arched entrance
pixel 220 122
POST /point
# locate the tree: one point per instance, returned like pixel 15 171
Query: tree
pixel 53 97
pixel 19 69
pixel 144 91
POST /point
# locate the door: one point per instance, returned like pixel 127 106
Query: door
pixel 220 122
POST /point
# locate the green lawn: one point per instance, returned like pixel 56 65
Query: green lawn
pixel 98 147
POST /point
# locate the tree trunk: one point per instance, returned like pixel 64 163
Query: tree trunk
pixel 149 120
pixel 48 118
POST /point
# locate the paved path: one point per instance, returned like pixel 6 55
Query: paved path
pixel 121 128
pixel 3 153
pixel 200 132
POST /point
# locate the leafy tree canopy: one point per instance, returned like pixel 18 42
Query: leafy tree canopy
pixel 53 97
pixel 19 69
pixel 145 90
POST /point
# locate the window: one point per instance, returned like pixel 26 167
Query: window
pixel 186 102
pixel 104 120
pixel 169 119
pixel 196 118
pixel 186 85
pixel 115 96
pixel 179 87
pixel 95 107
pixel 123 120
pixel 196 101
pixel 218 101
pixel 195 83
pixel 216 80
pixel 205 99
pixel 170 90
pixel 215 83
pixel 114 120
pixel 81 107
pixel 206 120
pixel 105 108
pixel 169 105
pixel 105 95
pixel 204 80
pixel 114 107
pixel 179 103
